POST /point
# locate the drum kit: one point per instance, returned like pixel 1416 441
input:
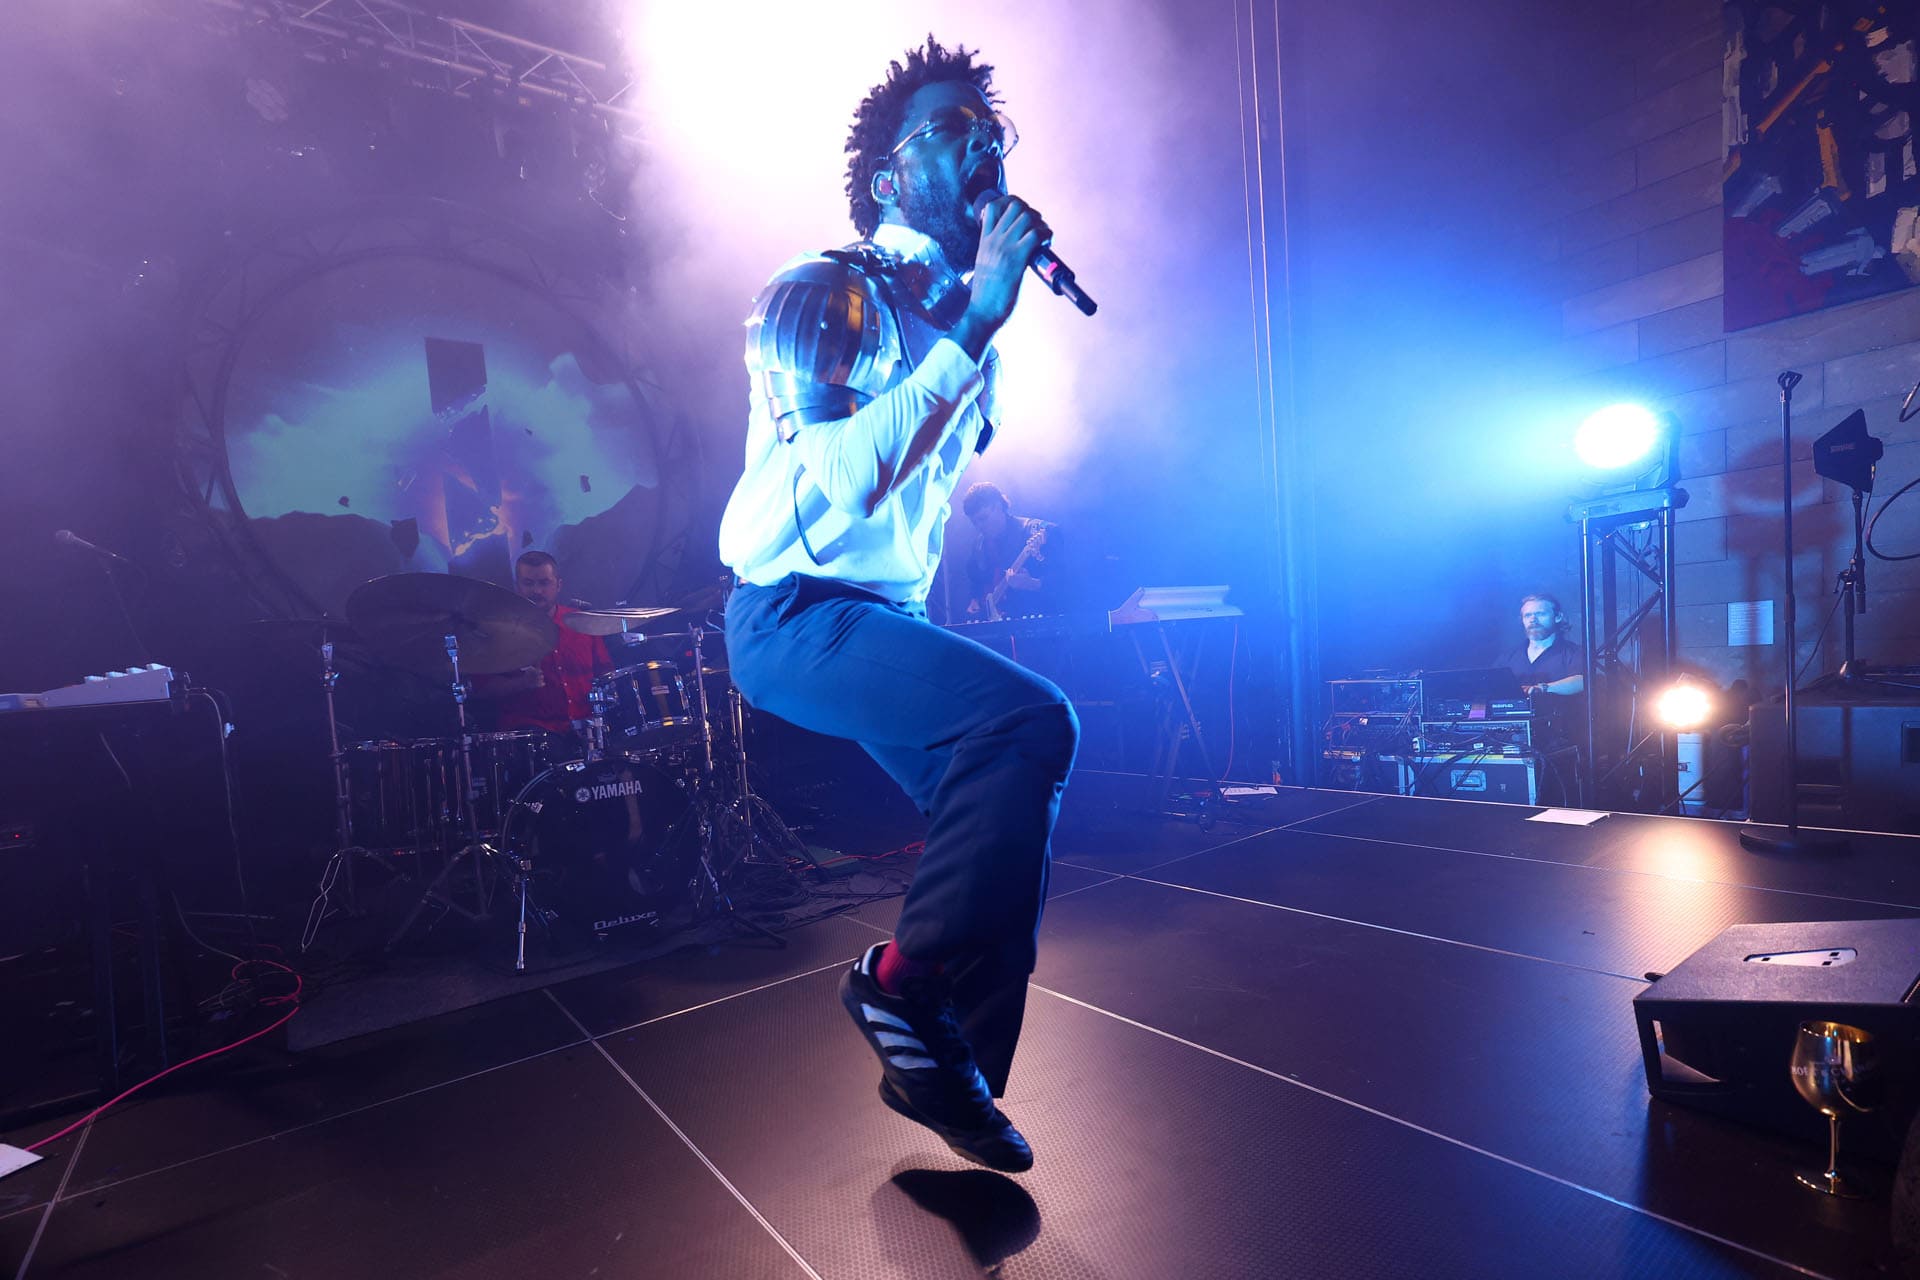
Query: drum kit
pixel 634 822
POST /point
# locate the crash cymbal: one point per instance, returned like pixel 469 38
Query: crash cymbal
pixel 711 596
pixel 612 622
pixel 406 617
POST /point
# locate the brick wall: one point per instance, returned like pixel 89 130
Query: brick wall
pixel 1627 230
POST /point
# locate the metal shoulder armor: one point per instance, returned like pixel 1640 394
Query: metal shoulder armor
pixel 822 340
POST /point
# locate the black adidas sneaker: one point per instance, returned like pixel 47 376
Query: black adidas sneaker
pixel 927 1070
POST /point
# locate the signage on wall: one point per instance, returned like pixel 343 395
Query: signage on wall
pixel 1749 622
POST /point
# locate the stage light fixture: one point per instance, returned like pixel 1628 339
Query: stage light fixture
pixel 1618 437
pixel 1684 706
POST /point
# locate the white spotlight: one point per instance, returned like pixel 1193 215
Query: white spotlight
pixel 1683 706
pixel 1617 436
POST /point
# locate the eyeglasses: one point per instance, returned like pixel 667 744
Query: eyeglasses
pixel 957 120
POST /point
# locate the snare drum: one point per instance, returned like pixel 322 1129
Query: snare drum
pixel 608 842
pixel 644 707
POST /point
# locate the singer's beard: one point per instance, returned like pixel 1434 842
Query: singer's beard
pixel 934 208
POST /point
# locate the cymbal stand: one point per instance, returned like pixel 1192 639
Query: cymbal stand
pixel 764 836
pixel 467 816
pixel 696 632
pixel 772 840
pixel 712 810
pixel 345 852
pixel 522 869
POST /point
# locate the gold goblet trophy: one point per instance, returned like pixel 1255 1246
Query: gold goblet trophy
pixel 1836 1069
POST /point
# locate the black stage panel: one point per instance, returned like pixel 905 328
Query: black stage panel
pixel 272 1093
pixel 1063 878
pixel 1533 1061
pixel 1618 922
pixel 16 1235
pixel 1154 1159
pixel 25 1193
pixel 1877 868
pixel 1108 822
pixel 547 1168
pixel 621 998
pixel 1403 1055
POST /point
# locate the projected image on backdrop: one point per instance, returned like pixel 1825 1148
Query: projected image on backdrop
pixel 415 415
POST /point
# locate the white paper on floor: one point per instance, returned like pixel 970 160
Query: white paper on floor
pixel 13 1159
pixel 1568 817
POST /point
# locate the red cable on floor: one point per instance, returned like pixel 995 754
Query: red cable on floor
pixel 292 998
pixel 918 846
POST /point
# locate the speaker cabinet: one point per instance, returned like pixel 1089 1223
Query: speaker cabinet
pixel 1718 1031
pixel 1859 759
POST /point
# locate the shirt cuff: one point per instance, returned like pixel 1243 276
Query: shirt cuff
pixel 950 373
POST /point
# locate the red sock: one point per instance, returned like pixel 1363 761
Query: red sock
pixel 893 969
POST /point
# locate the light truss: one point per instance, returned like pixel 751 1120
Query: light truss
pixel 448 54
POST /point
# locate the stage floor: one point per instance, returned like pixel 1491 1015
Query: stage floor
pixel 1338 1035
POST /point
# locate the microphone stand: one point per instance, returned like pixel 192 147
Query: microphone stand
pixel 1792 839
pixel 1853 586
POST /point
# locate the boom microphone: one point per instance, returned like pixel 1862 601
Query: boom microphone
pixel 68 538
pixel 1045 263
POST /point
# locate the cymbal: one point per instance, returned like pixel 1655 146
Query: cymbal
pixel 712 596
pixel 611 622
pixel 406 617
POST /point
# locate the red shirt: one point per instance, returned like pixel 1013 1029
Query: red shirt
pixel 569 670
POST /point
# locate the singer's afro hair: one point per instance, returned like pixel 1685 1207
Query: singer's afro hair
pixel 881 113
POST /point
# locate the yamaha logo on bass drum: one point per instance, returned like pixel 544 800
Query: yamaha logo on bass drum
pixel 608 790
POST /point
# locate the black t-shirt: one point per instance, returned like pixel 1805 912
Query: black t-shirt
pixel 1558 718
pixel 991 557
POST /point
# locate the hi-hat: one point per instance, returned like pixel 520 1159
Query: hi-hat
pixel 406 617
pixel 612 622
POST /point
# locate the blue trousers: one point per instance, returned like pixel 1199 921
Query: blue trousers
pixel 981 745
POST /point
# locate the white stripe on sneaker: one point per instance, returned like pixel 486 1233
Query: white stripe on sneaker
pixel 893 1041
pixel 913 1064
pixel 881 1018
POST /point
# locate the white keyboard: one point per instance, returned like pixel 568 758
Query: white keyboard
pixel 152 683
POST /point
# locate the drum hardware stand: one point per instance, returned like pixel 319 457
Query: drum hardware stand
pixel 522 870
pixel 738 813
pixel 761 840
pixel 710 810
pixel 474 848
pixel 727 910
pixel 345 852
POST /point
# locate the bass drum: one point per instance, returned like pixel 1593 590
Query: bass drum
pixel 611 844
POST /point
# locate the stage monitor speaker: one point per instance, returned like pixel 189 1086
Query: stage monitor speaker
pixel 1717 1032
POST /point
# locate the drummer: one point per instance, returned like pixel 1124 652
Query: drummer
pixel 552 694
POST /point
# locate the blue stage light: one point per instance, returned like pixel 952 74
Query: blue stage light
pixel 1618 437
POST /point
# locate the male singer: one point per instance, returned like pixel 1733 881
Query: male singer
pixel 872 377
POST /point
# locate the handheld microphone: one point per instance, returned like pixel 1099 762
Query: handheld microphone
pixel 1045 263
pixel 68 538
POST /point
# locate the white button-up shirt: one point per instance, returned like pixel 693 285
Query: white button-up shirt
pixel 873 490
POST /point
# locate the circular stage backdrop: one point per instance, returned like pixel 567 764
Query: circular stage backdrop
pixel 419 392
